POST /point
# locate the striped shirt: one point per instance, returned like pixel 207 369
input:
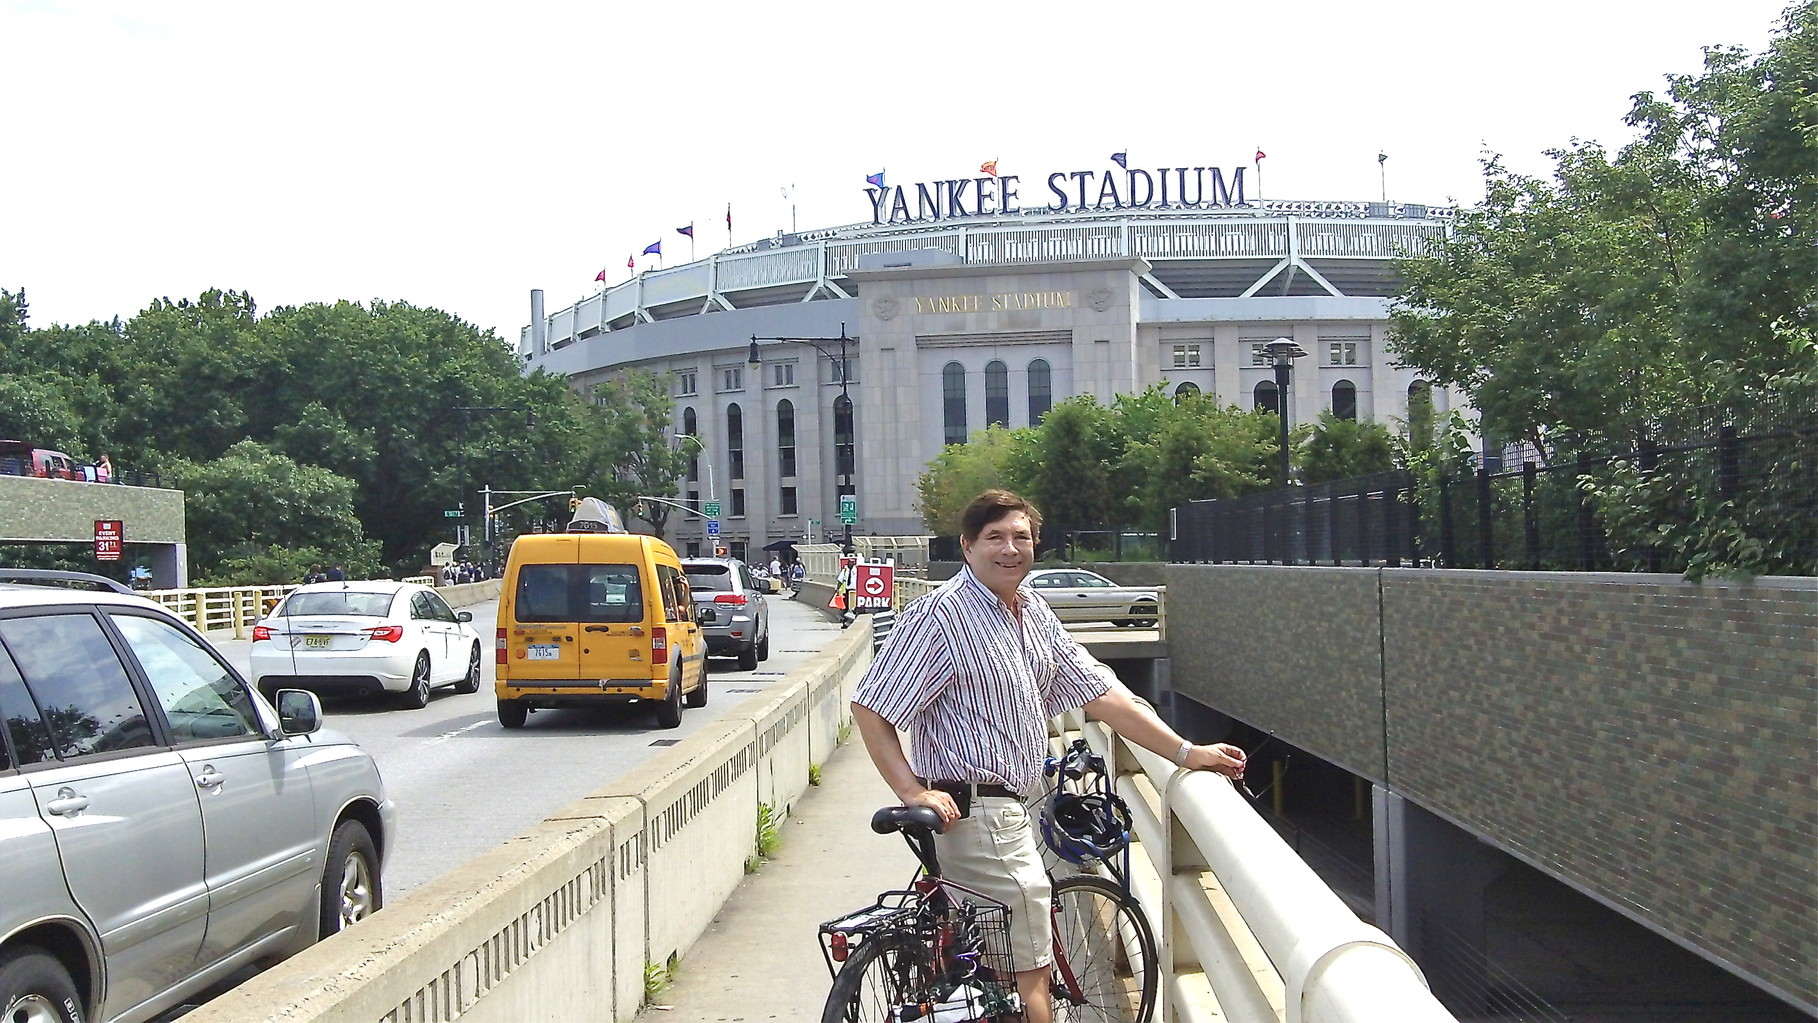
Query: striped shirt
pixel 974 689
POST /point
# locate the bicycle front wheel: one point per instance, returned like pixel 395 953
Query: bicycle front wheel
pixel 1105 969
pixel 889 970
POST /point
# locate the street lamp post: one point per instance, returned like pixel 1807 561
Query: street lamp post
pixel 1282 353
pixel 847 479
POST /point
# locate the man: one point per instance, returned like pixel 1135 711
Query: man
pixel 974 671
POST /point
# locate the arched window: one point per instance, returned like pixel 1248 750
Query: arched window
pixel 1267 400
pixel 953 403
pixel 1344 400
pixel 1041 390
pixel 735 441
pixel 688 430
pixel 785 438
pixel 1185 391
pixel 844 460
pixel 997 394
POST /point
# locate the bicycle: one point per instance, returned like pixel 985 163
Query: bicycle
pixel 937 950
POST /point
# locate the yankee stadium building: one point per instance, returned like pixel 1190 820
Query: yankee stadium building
pixel 960 304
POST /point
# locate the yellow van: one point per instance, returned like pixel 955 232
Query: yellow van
pixel 597 616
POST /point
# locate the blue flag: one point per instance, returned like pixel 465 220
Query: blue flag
pixel 1119 158
pixel 655 248
pixel 689 230
pixel 875 180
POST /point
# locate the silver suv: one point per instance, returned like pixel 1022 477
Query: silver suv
pixel 161 825
pixel 730 608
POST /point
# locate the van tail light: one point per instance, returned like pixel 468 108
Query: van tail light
pixel 659 645
pixel 386 633
pixel 261 634
pixel 499 653
pixel 738 599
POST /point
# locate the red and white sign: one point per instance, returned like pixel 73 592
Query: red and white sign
pixel 110 539
pixel 871 587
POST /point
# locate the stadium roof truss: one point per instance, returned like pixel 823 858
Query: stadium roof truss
pixel 1263 249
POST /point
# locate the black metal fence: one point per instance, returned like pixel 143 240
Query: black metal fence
pixel 1745 492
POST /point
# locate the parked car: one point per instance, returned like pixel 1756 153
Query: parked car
pixel 161 825
pixel 365 638
pixel 732 609
pixel 1076 595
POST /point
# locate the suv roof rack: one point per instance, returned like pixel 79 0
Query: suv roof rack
pixel 59 577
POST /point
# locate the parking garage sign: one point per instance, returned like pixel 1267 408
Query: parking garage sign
pixel 871 586
pixel 110 539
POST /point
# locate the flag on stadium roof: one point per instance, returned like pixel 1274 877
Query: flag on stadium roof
pixel 1260 155
pixel 600 276
pixel 655 248
pixel 687 232
pixel 631 262
pixel 989 167
pixel 875 180
pixel 1120 159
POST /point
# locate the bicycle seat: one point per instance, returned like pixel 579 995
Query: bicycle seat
pixel 900 818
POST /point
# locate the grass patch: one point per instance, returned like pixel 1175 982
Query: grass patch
pixel 658 977
pixel 814 775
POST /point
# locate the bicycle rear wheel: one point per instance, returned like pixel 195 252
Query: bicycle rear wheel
pixel 1105 969
pixel 889 970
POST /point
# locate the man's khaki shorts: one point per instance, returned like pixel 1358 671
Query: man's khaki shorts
pixel 995 851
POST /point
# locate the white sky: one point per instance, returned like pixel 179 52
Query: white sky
pixel 458 154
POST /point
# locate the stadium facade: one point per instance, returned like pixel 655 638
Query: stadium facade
pixel 961 307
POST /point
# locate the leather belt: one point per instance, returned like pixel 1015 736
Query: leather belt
pixel 977 789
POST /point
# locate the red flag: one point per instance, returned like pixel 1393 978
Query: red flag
pixel 728 216
pixel 631 262
pixel 600 276
pixel 989 167
pixel 1261 155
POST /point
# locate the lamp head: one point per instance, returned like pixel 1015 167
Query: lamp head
pixel 1283 351
pixel 752 357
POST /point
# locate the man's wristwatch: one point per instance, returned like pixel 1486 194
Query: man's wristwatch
pixel 1181 755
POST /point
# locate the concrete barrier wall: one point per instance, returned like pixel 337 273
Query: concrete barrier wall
pixel 560 923
pixel 1645 739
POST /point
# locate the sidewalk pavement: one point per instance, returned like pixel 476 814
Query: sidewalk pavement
pixel 760 959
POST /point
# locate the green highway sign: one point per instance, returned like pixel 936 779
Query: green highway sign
pixel 711 509
pixel 849 509
pixel 452 513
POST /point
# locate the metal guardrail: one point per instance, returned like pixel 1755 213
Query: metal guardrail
pixel 1247 930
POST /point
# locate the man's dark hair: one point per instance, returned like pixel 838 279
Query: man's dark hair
pixel 992 505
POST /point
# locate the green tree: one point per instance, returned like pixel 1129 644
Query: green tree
pixel 1336 449
pixel 1077 449
pixel 1197 451
pixel 998 457
pixel 629 441
pixel 253 507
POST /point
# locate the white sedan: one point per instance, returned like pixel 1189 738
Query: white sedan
pixel 1081 596
pixel 366 639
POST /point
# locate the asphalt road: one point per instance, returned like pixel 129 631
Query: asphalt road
pixel 464 784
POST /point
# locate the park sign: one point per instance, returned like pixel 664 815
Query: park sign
pixel 1077 191
pixel 872 586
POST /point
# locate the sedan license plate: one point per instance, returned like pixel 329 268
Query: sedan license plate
pixel 545 651
pixel 316 642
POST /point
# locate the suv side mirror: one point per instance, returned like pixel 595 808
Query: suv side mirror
pixel 299 712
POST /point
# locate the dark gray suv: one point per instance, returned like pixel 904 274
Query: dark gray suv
pixel 161 825
pixel 730 608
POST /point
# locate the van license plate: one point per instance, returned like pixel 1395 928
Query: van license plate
pixel 316 642
pixel 545 651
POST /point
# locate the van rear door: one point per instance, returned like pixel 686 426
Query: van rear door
pixel 574 622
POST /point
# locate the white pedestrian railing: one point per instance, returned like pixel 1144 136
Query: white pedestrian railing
pixel 1247 931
